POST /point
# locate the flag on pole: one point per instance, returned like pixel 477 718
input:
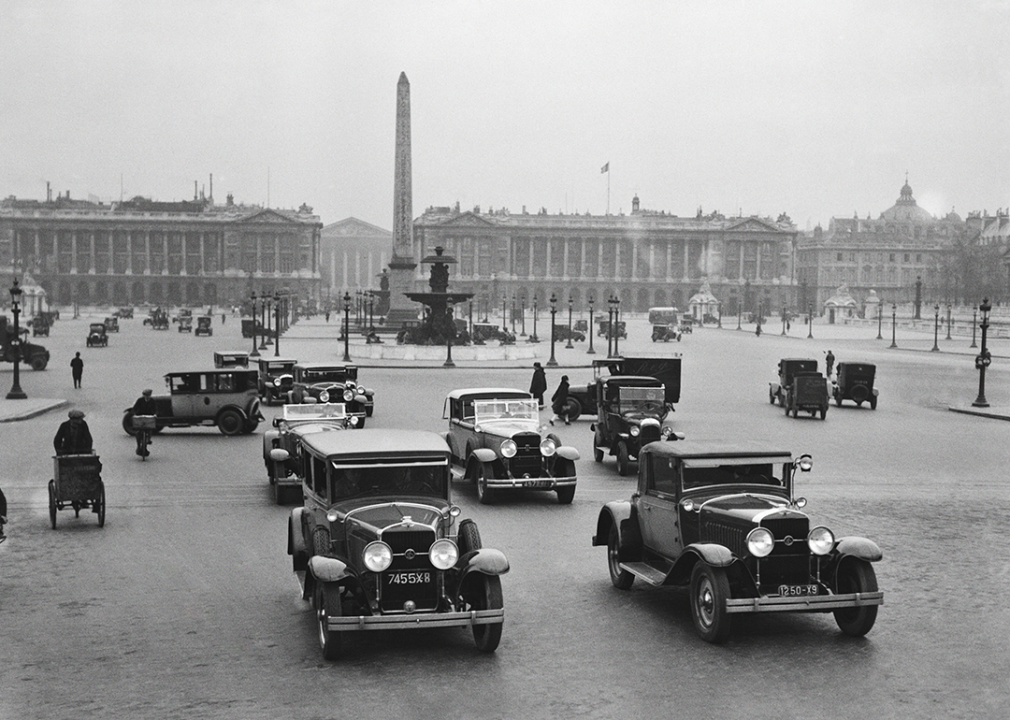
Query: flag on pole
pixel 605 168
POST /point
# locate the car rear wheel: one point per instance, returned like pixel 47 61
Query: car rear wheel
pixel 485 594
pixel 709 592
pixel 873 402
pixel 597 454
pixel 327 601
pixel 484 494
pixel 39 362
pixel 128 424
pixel 856 576
pixel 573 408
pixel 621 579
pixel 230 422
pixel 824 412
pixel 623 459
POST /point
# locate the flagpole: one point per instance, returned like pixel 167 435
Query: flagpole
pixel 608 188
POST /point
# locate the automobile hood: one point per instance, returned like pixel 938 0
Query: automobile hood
pixel 374 516
pixel 752 507
pixel 506 428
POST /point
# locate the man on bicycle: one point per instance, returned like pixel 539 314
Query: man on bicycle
pixel 144 406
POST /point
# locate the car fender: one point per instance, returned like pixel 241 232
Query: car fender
pixel 268 443
pixel 484 455
pixel 709 553
pixel 614 513
pixel 486 561
pixel 567 452
pixel 328 569
pixel 858 547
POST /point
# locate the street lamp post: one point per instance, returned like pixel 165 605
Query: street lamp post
pixel 936 328
pixel 983 359
pixel 610 326
pixel 554 309
pixel 617 324
pixel 590 330
pixel 948 321
pixel 536 313
pixel 894 324
pixel 263 322
pixel 783 319
pixel 880 319
pixel 522 308
pixel 810 320
pixel 513 314
pixel 347 326
pixel 569 346
pixel 371 311
pixel 16 393
pixel 277 324
pixel 504 320
pixel 255 323
pixel 451 324
pixel 973 316
pixel 471 319
pixel 269 334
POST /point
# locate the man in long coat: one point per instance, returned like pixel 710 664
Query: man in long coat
pixel 538 386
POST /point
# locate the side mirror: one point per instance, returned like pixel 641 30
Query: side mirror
pixel 279 455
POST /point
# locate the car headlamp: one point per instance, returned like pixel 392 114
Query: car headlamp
pixel 332 516
pixel 348 394
pixel 548 447
pixel 324 396
pixel 820 540
pixel 509 448
pixel 443 554
pixel 760 542
pixel 666 431
pixel 377 556
pixel 353 420
pixel 635 431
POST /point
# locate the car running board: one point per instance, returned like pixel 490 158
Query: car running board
pixel 645 571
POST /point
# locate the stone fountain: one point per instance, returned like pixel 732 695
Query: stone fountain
pixel 437 327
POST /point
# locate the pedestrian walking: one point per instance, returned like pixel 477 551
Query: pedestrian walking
pixel 77 369
pixel 538 385
pixel 559 402
pixel 829 362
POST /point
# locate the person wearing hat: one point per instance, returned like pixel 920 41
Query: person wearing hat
pixel 145 405
pixel 538 386
pixel 73 437
pixel 559 401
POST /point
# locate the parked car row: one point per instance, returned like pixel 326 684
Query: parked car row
pixel 802 388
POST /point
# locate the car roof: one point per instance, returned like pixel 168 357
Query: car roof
pixel 377 442
pixel 715 448
pixel 231 352
pixel 489 393
pixel 797 359
pixel 322 365
pixel 277 360
pixel 214 371
pixel 636 380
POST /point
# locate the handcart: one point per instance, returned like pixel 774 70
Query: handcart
pixel 77 483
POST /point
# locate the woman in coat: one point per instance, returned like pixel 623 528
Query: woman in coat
pixel 559 401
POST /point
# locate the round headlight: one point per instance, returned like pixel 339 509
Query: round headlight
pixel 760 542
pixel 324 396
pixel 666 431
pixel 377 556
pixel 509 448
pixel 820 540
pixel 548 447
pixel 332 516
pixel 635 430
pixel 443 554
pixel 348 395
pixel 354 421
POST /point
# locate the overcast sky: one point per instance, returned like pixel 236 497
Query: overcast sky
pixel 813 109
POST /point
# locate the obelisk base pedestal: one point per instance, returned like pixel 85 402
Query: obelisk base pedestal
pixel 401 280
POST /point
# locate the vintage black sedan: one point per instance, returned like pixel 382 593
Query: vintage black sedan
pixel 377 545
pixel 332 382
pixel 722 521
pixel 276 379
pixel 855 382
pixel 632 412
pixel 294 423
pixel 495 434
pixel 97 335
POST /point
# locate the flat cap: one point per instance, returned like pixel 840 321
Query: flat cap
pixel 147 392
pixel 75 414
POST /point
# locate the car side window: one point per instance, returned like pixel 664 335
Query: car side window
pixel 663 476
pixel 225 383
pixel 467 413
pixel 319 476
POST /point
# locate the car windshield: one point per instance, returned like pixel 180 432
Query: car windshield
pixel 350 481
pixel 723 471
pixel 278 367
pixel 314 411
pixel 641 399
pixel 522 409
pixel 326 374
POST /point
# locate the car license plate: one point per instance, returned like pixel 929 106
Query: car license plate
pixel 409 578
pixel 797 590
pixel 537 483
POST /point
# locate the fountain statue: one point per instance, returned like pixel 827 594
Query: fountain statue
pixel 438 326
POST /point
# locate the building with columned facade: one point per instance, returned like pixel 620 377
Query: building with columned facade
pixel 143 251
pixel 353 254
pixel 646 258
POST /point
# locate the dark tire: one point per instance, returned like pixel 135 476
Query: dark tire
pixel 128 423
pixel 573 409
pixel 621 579
pixel 320 542
pixel 230 422
pixel 100 503
pixel 326 598
pixel 52 503
pixel 39 362
pixel 249 426
pixel 824 412
pixel 860 394
pixel 566 495
pixel 484 494
pixel 485 594
pixel 597 454
pixel 369 409
pixel 709 592
pixel 855 576
pixel 873 402
pixel 623 459
pixel 468 537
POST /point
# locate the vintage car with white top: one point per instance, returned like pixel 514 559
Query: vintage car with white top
pixel 282 448
pixel 495 434
pixel 332 382
pixel 377 545
pixel 722 521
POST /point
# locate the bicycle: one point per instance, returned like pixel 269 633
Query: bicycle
pixel 144 425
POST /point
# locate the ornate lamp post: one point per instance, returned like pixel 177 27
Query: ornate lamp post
pixel 504 320
pixel 263 322
pixel 448 338
pixel 590 330
pixel 973 316
pixel 948 321
pixel 810 320
pixel 617 324
pixel 610 326
pixel 569 346
pixel 347 326
pixel 982 360
pixel 255 322
pixel 268 338
pixel 513 314
pixel 880 319
pixel 533 338
pixel 16 393
pixel 471 319
pixel 783 319
pixel 277 324
pixel 371 310
pixel 554 309
pixel 522 308
pixel 894 324
pixel 936 328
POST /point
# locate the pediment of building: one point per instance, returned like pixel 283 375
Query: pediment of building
pixel 753 225
pixel 352 227
pixel 268 217
pixel 468 219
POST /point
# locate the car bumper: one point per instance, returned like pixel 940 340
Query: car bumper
pixel 408 622
pixel 814 603
pixel 543 483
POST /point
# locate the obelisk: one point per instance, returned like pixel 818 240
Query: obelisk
pixel 401 268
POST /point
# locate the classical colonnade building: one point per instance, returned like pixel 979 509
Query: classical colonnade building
pixel 142 251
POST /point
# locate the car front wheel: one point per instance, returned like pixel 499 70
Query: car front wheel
pixel 623 459
pixel 621 579
pixel 485 594
pixel 856 576
pixel 484 494
pixel 709 592
pixel 327 601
